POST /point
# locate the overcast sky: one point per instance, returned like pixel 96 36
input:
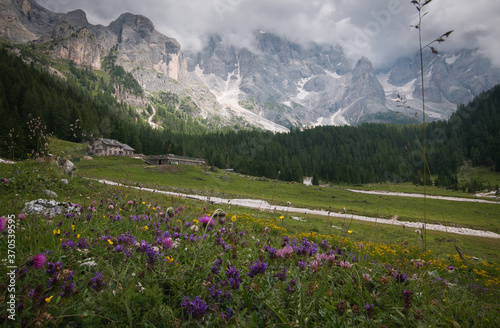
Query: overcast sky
pixel 377 29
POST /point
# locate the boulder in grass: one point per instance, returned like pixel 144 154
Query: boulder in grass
pixel 50 194
pixel 50 207
pixel 69 168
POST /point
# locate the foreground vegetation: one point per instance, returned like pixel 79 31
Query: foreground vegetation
pixel 136 258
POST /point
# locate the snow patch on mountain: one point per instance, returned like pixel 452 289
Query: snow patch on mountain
pixel 333 74
pixel 300 87
pixel 227 93
pixel 391 91
pixel 452 59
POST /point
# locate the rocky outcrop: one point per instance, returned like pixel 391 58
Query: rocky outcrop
pixel 11 27
pixel 71 37
pixel 82 47
pixel 140 45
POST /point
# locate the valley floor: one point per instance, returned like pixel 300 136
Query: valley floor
pixel 265 206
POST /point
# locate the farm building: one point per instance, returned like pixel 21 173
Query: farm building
pixel 171 159
pixel 110 147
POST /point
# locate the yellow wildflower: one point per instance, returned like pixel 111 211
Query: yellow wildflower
pixel 78 236
pixel 73 227
pixel 56 232
pixel 196 221
pixel 143 203
pixel 233 218
pixel 146 228
pixel 110 242
pixel 282 217
pixel 350 231
pixel 48 299
pixel 169 259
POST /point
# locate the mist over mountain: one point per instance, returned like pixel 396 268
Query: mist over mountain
pixel 267 81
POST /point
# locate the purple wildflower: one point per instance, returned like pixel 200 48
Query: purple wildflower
pixel 204 220
pixel 67 289
pixel 119 248
pixel 39 261
pixel 400 277
pixel 271 250
pixel 256 268
pixel 291 286
pixel 215 268
pixel 215 293
pixel 3 223
pixel 167 243
pixel 302 265
pixel 370 309
pixel 195 308
pixel 226 316
pixel 233 277
pixel 52 268
pixel 281 275
pixel 83 244
pixel 21 216
pixel 96 282
pixel 68 244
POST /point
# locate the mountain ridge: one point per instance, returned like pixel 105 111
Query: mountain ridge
pixel 276 84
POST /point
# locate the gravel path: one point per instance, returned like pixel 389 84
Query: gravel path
pixel 403 194
pixel 265 206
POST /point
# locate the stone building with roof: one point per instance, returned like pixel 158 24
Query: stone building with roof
pixel 171 159
pixel 110 147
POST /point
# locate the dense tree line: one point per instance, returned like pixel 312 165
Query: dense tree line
pixel 365 153
pixel 361 154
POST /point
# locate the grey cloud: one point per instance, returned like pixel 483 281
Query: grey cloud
pixel 379 30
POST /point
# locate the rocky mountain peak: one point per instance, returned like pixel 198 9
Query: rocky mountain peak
pixel 364 78
pixel 138 23
pixel 77 18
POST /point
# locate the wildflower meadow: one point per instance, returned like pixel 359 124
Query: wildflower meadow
pixel 129 258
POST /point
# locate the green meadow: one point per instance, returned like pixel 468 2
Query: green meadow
pixel 137 258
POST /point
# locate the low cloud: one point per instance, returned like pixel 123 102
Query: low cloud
pixel 379 30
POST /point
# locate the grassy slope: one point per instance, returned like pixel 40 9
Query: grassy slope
pixel 198 180
pixel 80 190
pixel 221 183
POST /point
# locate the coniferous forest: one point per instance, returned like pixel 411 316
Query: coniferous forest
pixel 82 106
